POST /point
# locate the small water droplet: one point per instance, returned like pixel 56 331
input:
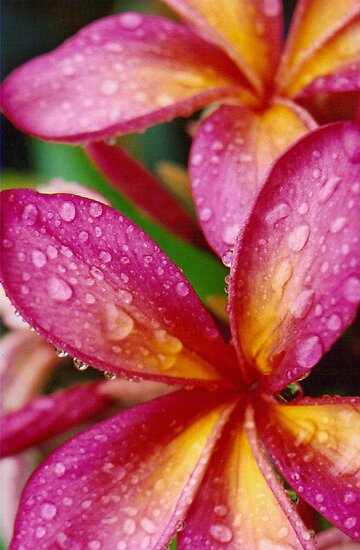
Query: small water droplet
pixel 30 214
pixel 350 522
pixel 350 498
pixel 59 469
pixel 40 532
pixel 7 243
pixel 298 237
pixel 309 351
pixel 221 533
pixel 129 526
pixel 48 511
pixel 83 236
pixel 302 305
pixel 196 159
pixel 337 225
pixel 90 298
pixel 182 289
pixel 96 209
pixel 94 545
pixel 205 214
pixel 221 510
pixel 58 289
pixel 303 208
pixel 334 322
pixel 227 257
pixel 322 436
pixel 67 211
pixel 38 258
pixel 80 365
pixel 109 375
pixel 124 296
pixel 328 188
pixel 130 20
pixel 105 256
pixel 109 87
pixel 229 233
pixel 61 353
pixel 282 275
pixel 277 213
pixel 148 525
pixel 351 290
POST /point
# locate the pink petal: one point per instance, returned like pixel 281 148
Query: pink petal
pixel 315 445
pixel 296 281
pixel 98 287
pixel 49 415
pixel 131 477
pixel 235 503
pixel 118 75
pixel 27 361
pixel 346 79
pixel 333 539
pixel 250 33
pixel 140 186
pixel 317 46
pixel 230 154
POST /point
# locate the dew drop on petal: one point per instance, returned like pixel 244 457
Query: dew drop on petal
pixel 182 289
pixel 59 469
pixel 40 532
pixel 230 233
pixel 281 276
pixel 328 188
pixel 221 533
pixel 48 510
pixel 58 289
pixel 350 522
pixel 309 351
pixel 130 20
pixel 350 498
pixel 129 526
pixel 205 214
pixel 351 290
pixel 124 296
pixel 109 87
pixel 298 237
pixel 83 236
pixel 334 322
pixel 227 257
pixel 197 159
pixel 30 214
pixel 96 209
pixel 301 307
pixel 338 224
pixel 67 211
pixel 38 258
pixel 279 212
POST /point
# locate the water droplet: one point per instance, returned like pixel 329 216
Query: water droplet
pixel 350 498
pixel 80 365
pixel 221 533
pixel 58 289
pixel 230 233
pixel 298 237
pixel 109 87
pixel 59 469
pixel 148 525
pixel 350 140
pixel 61 353
pixel 337 225
pixel 227 257
pixel 334 323
pixel 67 211
pixel 302 305
pixel 351 290
pixel 130 20
pixel 90 298
pixel 319 497
pixel 121 545
pixel 30 214
pixel 94 545
pixel 303 208
pixel 281 276
pixel 328 188
pixel 182 289
pixel 105 256
pixel 51 251
pixel 96 209
pixel 205 214
pixel 7 243
pixel 271 7
pixel 119 323
pixel 40 532
pixel 129 526
pixel 322 436
pixel 124 296
pixel 196 159
pixel 350 522
pixel 221 510
pixel 48 511
pixel 38 258
pixel 109 375
pixel 83 236
pixel 277 213
pixel 97 273
pixel 309 351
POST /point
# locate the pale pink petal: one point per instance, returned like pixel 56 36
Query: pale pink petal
pixel 295 286
pixel 142 188
pixel 238 498
pixel 249 32
pixel 120 74
pixel 126 482
pixel 49 415
pixel 27 361
pixel 60 185
pixel 315 445
pixel 230 154
pixel 333 539
pixel 346 79
pixel 98 287
pixel 9 315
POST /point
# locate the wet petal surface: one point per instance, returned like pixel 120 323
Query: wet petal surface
pixel 98 287
pixel 120 74
pixel 296 282
pixel 315 444
pixel 234 504
pixel 230 154
pixel 133 477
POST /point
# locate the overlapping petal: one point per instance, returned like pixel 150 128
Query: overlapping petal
pixel 132 477
pixel 230 154
pixel 250 33
pixel 235 503
pixel 333 539
pixel 318 45
pixel 143 189
pixel 98 287
pixel 49 415
pixel 295 284
pixel 120 74
pixel 315 444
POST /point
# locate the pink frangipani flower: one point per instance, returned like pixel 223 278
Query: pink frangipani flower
pixel 203 455
pixel 126 72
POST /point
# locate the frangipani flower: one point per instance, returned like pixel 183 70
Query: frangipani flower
pixel 202 455
pixel 127 72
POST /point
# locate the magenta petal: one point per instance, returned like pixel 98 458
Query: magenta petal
pixel 120 74
pixel 49 415
pixel 346 79
pixel 143 189
pixel 315 445
pixel 296 282
pixel 230 154
pixel 98 287
pixel 126 482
